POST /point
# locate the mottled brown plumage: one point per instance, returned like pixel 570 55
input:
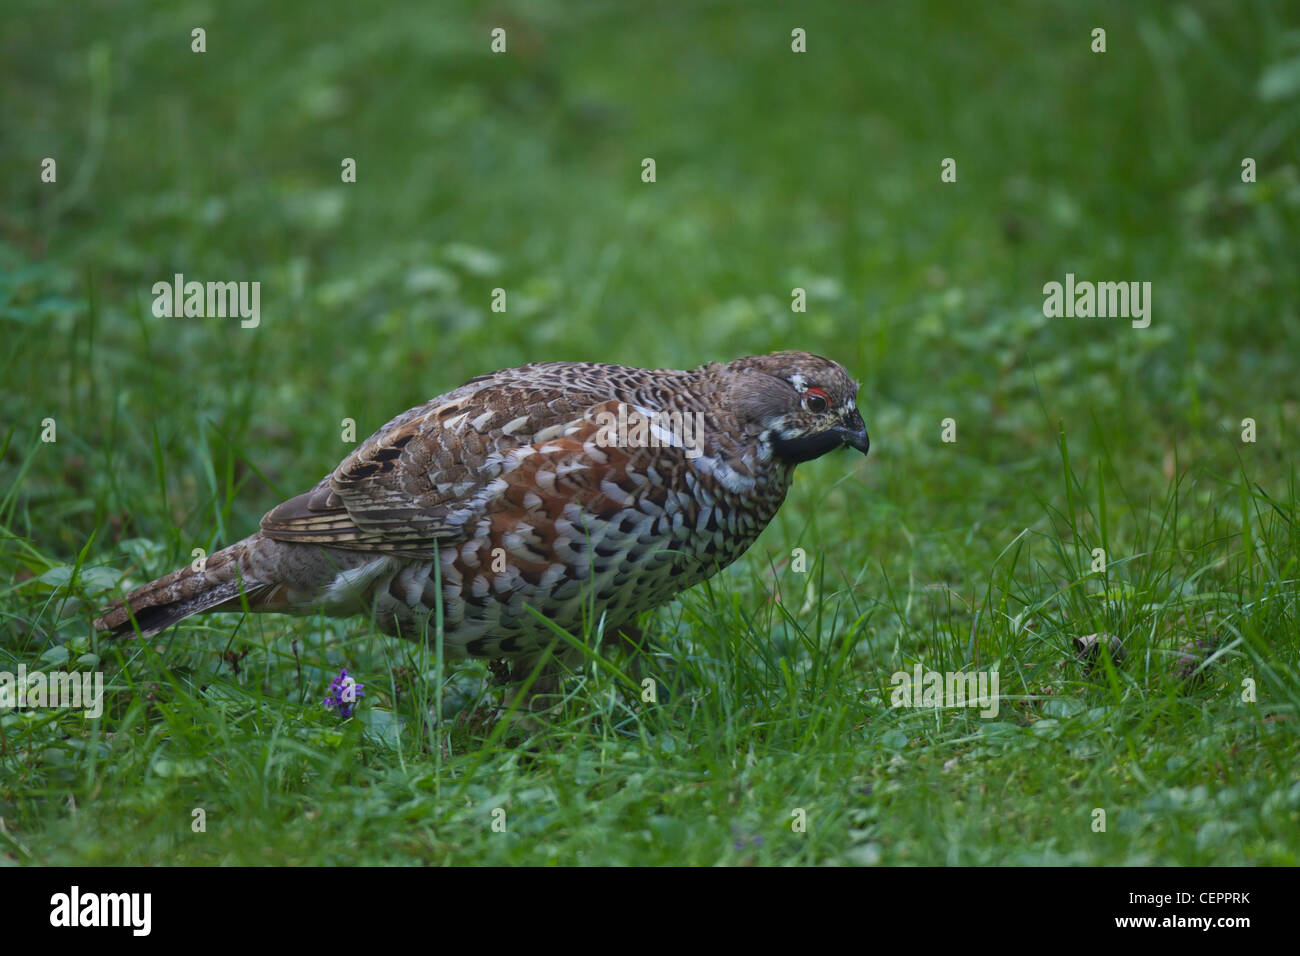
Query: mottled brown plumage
pixel 523 492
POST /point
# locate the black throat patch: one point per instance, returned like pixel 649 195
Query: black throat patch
pixel 806 447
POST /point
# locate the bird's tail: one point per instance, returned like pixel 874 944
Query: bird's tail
pixel 221 582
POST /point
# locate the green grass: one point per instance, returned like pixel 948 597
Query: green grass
pixel 775 170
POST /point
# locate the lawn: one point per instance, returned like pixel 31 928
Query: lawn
pixel 1032 480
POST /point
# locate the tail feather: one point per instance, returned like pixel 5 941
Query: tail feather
pixel 220 586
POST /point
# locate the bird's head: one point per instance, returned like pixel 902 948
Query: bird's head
pixel 802 405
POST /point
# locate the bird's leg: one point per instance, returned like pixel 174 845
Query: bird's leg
pixel 500 670
pixel 544 693
pixel 630 638
pixel 635 649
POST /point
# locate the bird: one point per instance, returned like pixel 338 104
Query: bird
pixel 560 491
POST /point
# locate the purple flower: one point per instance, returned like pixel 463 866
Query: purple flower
pixel 344 694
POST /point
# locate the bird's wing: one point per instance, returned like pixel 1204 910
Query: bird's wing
pixel 430 474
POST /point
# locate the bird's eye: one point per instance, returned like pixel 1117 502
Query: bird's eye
pixel 815 400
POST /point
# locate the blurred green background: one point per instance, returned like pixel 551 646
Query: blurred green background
pixel 522 171
pixel 775 170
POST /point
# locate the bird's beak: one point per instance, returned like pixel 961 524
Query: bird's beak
pixel 854 439
pixel 854 433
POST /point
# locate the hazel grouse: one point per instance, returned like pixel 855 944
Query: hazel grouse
pixel 574 488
